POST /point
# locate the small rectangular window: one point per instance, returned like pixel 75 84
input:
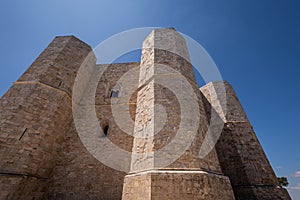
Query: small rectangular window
pixel 114 94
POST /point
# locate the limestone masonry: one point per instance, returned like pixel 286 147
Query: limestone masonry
pixel 43 157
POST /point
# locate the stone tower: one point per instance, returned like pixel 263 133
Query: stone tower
pixel 165 48
pixel 42 156
pixel 240 154
pixel 35 114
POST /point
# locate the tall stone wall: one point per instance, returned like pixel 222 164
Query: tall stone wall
pixel 240 154
pixel 77 173
pixel 35 115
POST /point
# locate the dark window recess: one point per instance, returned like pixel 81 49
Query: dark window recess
pixel 23 134
pixel 105 130
pixel 114 93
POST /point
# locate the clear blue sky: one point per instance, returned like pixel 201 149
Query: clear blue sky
pixel 255 44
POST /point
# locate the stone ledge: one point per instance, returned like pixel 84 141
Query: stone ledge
pixel 177 184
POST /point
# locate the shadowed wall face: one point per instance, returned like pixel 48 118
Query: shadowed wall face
pixel 35 114
pixel 240 154
pixel 77 173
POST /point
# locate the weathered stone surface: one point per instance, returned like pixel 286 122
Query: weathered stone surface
pixel 35 115
pixel 77 173
pixel 164 185
pixel 43 156
pixel 164 65
pixel 167 96
pixel 240 154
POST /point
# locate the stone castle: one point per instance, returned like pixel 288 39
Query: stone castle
pixel 43 156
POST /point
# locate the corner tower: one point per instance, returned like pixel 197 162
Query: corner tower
pixel 35 114
pixel 240 154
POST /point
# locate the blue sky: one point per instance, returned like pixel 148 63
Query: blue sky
pixel 254 43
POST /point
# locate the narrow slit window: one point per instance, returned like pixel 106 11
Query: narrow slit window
pixel 23 133
pixel 105 130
